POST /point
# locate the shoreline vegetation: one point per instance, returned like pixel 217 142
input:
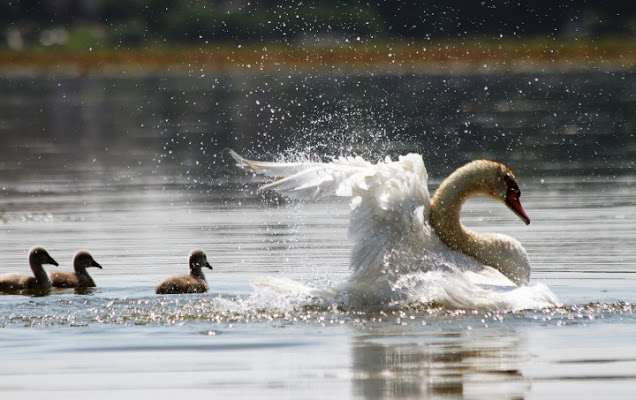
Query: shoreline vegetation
pixel 441 57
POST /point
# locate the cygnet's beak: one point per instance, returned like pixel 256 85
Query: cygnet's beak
pixel 95 264
pixel 207 265
pixel 52 261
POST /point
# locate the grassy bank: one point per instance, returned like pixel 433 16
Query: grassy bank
pixel 432 57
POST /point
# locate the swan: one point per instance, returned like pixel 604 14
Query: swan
pixel 395 227
pixel 193 283
pixel 80 278
pixel 40 279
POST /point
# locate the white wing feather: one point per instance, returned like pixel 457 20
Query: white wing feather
pixel 390 204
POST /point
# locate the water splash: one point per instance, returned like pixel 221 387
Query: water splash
pixel 447 289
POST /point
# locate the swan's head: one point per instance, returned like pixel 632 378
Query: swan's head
pixel 83 260
pixel 505 188
pixel 39 256
pixel 198 260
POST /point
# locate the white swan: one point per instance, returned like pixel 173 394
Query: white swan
pixel 40 278
pixel 395 228
pixel 80 278
pixel 193 283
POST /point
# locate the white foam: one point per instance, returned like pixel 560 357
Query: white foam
pixel 450 289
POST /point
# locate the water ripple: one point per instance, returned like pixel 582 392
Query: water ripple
pixel 175 310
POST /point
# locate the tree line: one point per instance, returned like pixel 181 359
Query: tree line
pixel 139 21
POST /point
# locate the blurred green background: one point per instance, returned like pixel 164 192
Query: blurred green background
pixel 79 24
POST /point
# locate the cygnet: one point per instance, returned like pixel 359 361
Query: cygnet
pixel 40 279
pixel 193 283
pixel 80 278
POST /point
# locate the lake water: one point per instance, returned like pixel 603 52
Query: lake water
pixel 134 170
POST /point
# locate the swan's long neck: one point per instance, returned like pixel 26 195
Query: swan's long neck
pixel 446 207
pixel 498 251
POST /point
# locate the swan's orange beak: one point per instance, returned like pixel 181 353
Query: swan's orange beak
pixel 512 201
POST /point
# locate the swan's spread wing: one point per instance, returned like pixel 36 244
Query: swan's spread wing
pixel 390 202
pixel 308 180
pixel 273 169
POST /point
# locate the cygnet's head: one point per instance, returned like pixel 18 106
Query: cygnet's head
pixel 83 260
pixel 503 186
pixel 39 256
pixel 198 260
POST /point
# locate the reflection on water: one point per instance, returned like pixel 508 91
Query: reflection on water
pixel 134 171
pixel 444 364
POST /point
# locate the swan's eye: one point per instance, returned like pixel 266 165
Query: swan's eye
pixel 513 194
pixel 512 185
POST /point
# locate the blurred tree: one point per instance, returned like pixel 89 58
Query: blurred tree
pixel 132 21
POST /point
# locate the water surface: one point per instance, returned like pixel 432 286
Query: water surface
pixel 134 171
